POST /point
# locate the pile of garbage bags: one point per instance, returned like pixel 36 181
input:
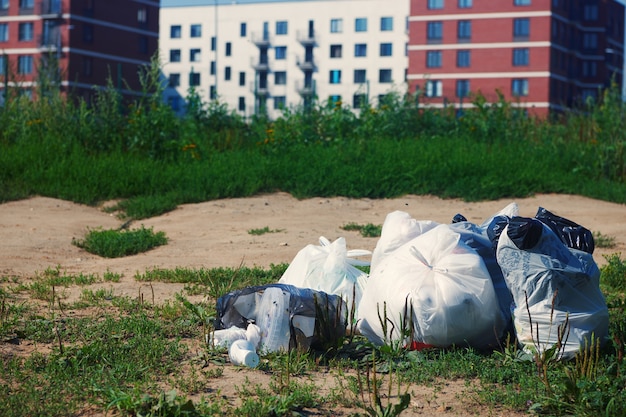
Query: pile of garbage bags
pixel 432 285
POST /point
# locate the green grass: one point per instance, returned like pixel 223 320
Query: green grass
pixel 133 356
pixel 115 243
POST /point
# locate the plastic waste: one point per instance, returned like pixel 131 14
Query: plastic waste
pixel 253 335
pixel 272 317
pixel 398 228
pixel 329 267
pixel 315 319
pixel 553 286
pixel 435 290
pixel 242 353
pixel 225 337
pixel 572 234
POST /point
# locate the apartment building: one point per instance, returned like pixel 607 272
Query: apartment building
pixel 91 41
pixel 260 56
pixel 542 54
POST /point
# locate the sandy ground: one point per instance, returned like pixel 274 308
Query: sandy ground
pixel 37 233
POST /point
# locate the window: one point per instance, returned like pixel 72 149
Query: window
pixel 279 102
pixel 25 64
pixel 87 32
pixel 384 76
pixel 335 99
pixel 434 31
pixel 433 59
pixel 3 64
pixel 243 29
pixel 281 52
pixel 386 24
pixel 519 87
pixel 195 31
pixel 590 40
pixel 521 2
pixel 4 32
pixel 462 88
pixel 385 49
pixel 212 68
pixel 242 78
pixel 336 25
pixel 463 58
pixel 359 76
pixel 520 57
pixel 280 78
pixel 242 104
pixel 335 76
pixel 229 49
pixel 464 30
pixel 281 27
pixel 590 12
pixel 360 49
pixel 335 51
pixel 358 100
pixel 194 55
pixel 87 66
pixel 27 4
pixel 4 4
pixel 142 15
pixel 213 43
pixel 194 79
pixel 360 24
pixel 435 4
pixel 521 28
pixel 434 88
pixel 465 4
pixel 212 92
pixel 175 31
pixel 143 44
pixel 25 31
pixel 227 74
pixel 174 80
pixel 590 69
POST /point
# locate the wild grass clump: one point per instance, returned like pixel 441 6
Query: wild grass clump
pixel 115 243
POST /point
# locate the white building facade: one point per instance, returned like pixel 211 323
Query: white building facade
pixel 260 56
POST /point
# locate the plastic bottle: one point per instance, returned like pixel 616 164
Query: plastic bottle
pixel 225 337
pixel 241 353
pixel 273 319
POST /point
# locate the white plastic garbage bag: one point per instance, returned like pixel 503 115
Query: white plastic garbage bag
pixel 551 284
pixel 445 284
pixel 398 228
pixel 330 268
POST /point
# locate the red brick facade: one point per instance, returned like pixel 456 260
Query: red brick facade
pixel 92 40
pixel 544 54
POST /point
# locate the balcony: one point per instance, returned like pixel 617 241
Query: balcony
pixel 306 64
pixel 305 88
pixel 51 9
pixel 306 37
pixel 259 89
pixel 261 39
pixel 260 63
pixel 50 41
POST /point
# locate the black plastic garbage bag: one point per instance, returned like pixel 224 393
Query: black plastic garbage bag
pixel 572 234
pixel 293 317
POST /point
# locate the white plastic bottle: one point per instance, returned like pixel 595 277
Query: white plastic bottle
pixel 272 317
pixel 241 353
